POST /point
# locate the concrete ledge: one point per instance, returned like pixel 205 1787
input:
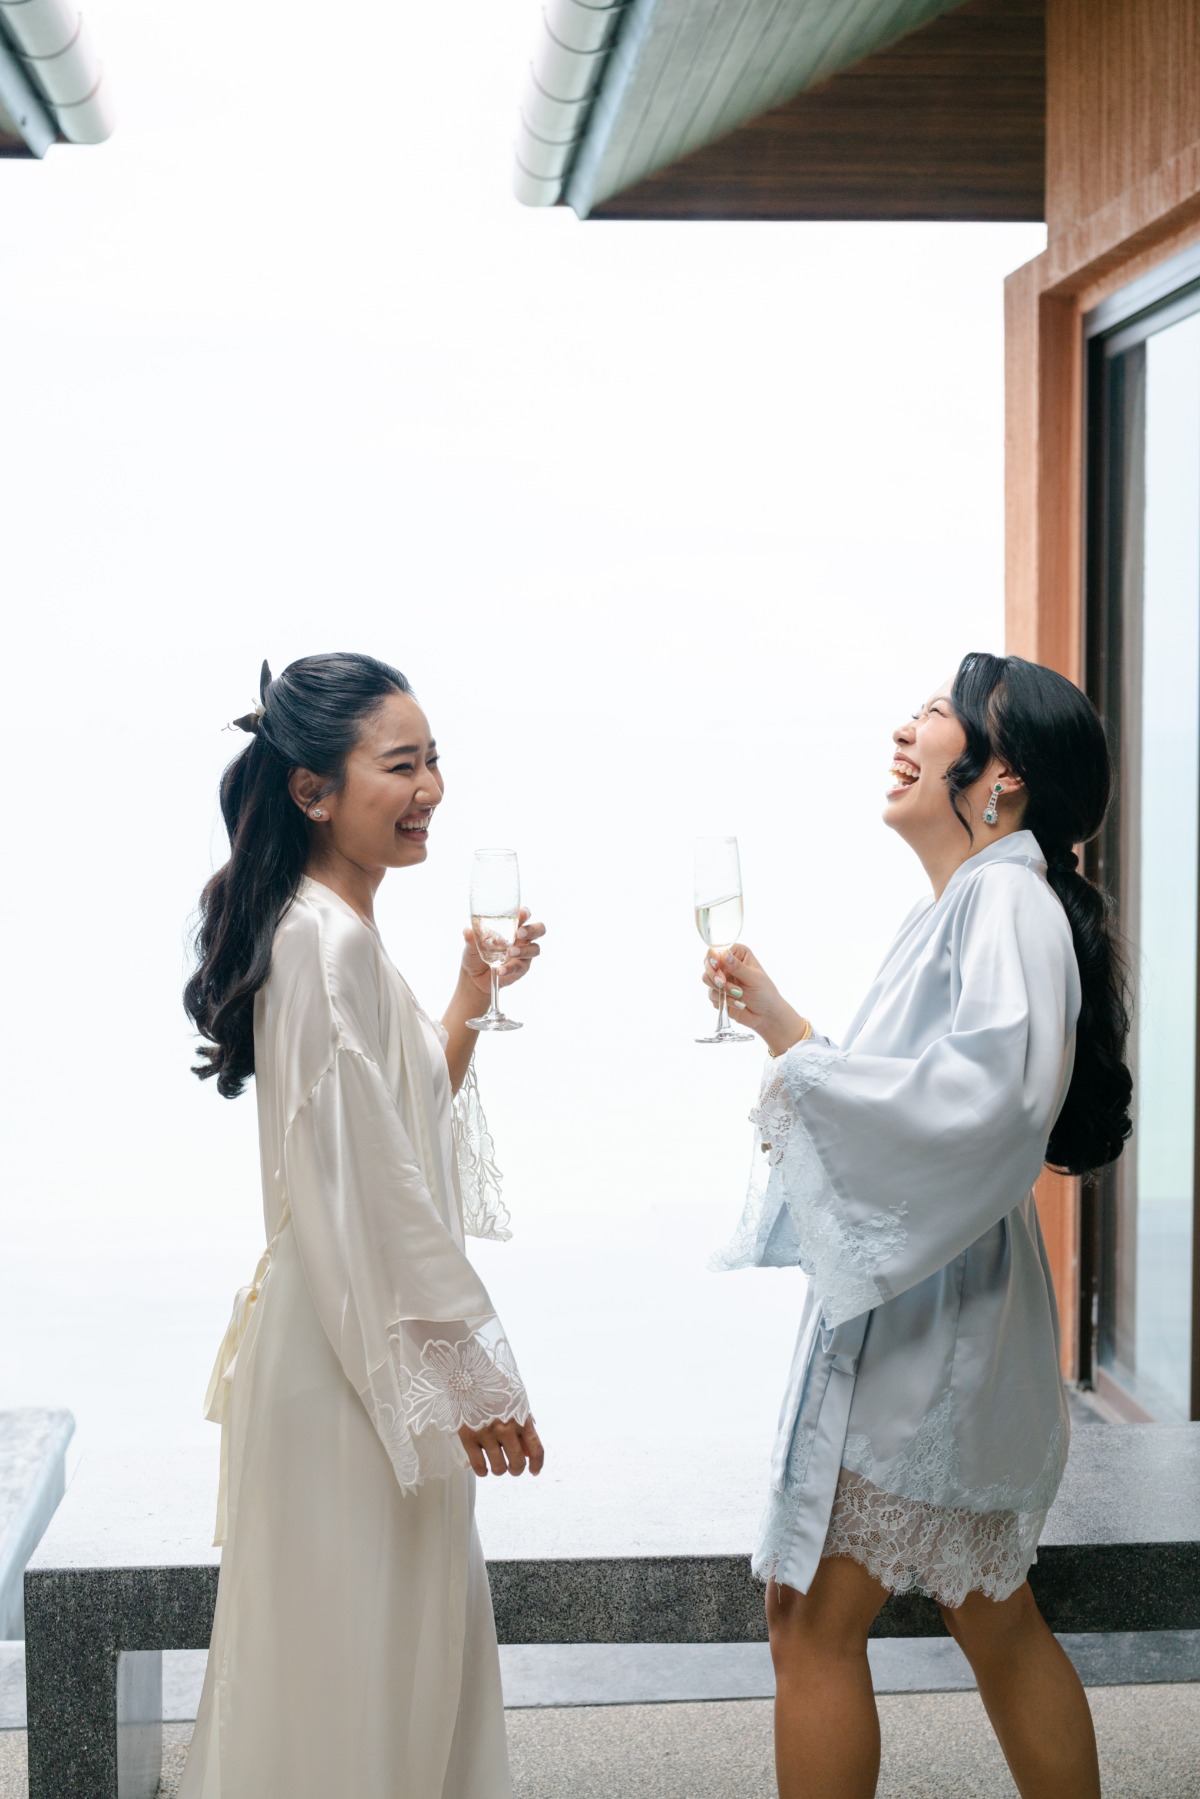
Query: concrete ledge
pixel 125 1571
pixel 715 1599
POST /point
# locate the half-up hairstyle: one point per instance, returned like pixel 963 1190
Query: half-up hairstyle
pixel 1049 734
pixel 311 716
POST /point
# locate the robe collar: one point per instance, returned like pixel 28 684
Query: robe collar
pixel 310 889
pixel 1018 846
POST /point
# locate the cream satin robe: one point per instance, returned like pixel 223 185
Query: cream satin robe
pixel 924 1427
pixel 353 1648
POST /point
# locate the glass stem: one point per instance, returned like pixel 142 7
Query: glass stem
pixel 494 1008
pixel 722 1011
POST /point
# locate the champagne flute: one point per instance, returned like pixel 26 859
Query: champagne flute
pixel 495 920
pixel 718 897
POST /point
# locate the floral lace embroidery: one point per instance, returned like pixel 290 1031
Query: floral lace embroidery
pixel 927 1469
pixel 461 1384
pixel 428 1389
pixel 839 1256
pixel 484 1212
pixel 913 1524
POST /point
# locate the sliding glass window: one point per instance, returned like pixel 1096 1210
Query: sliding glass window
pixel 1143 639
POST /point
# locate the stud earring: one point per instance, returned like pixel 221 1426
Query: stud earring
pixel 989 817
pixel 316 812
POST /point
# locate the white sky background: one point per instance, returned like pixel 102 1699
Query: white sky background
pixel 668 524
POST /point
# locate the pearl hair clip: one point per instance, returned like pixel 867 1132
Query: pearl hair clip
pixel 250 721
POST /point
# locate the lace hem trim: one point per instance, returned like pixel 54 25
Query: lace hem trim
pixel 431 1388
pixel 792 1212
pixel 946 1552
pixel 911 1521
pixel 484 1212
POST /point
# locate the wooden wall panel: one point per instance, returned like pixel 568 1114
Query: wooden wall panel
pixel 1043 422
pixel 1058 1214
pixel 1122 193
pixel 1022 294
pixel 948 123
pixel 1122 96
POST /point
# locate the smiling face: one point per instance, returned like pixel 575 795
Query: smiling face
pixel 918 801
pixel 380 816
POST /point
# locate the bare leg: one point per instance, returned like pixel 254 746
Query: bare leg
pixel 1031 1693
pixel 826 1724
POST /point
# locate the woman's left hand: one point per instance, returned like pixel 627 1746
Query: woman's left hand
pixel 518 960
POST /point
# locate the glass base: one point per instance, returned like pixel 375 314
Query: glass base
pixel 495 1021
pixel 728 1035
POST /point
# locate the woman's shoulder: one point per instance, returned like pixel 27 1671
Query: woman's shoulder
pixel 322 948
pixel 1011 890
pixel 1013 879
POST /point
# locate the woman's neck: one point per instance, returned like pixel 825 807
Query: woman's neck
pixel 943 860
pixel 357 886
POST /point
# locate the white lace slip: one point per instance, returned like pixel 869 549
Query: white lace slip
pixel 840 1257
pixel 944 1551
pixel 936 1536
pixel 484 1212
pixel 433 1386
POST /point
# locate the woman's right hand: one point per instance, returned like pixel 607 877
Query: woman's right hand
pixel 504 1446
pixel 754 999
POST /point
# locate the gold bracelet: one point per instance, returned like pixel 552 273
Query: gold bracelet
pixel 802 1038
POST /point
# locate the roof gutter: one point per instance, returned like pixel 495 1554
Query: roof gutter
pixel 569 64
pixel 21 104
pixel 580 188
pixel 52 49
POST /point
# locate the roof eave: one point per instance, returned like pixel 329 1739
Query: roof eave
pixel 49 54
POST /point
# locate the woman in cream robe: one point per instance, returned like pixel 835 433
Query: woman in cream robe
pixel 365 1341
pixel 353 1649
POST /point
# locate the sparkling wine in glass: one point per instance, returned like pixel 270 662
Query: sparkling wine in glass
pixel 495 920
pixel 718 899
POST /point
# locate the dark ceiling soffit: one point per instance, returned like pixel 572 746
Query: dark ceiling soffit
pixel 949 123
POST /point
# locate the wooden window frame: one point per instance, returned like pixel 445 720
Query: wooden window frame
pixel 1113 330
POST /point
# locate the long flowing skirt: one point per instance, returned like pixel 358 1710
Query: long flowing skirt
pixel 353 1648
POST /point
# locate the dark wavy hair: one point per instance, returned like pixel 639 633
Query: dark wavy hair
pixel 312 717
pixel 1046 731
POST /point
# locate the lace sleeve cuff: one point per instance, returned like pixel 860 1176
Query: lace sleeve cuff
pixel 484 1212
pixel 437 1379
pixel 793 1213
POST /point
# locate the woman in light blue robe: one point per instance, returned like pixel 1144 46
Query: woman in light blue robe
pixel 924 1427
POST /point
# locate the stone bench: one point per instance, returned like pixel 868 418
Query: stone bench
pixel 33 1452
pixel 651 1549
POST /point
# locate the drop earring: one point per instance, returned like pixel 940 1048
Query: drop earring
pixel 989 817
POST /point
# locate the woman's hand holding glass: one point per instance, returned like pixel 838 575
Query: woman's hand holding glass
pixel 517 963
pixel 753 997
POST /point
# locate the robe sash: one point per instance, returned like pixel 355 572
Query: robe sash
pixel 217 1400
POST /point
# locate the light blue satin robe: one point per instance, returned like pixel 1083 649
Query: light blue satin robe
pixel 897 1171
